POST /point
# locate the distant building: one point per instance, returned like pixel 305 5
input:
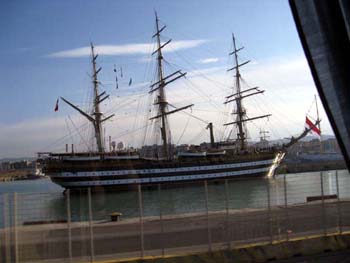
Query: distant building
pixel 5 166
pixel 315 146
pixel 262 144
pixel 20 165
pixel 330 146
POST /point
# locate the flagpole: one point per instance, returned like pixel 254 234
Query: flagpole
pixel 319 124
pixel 318 117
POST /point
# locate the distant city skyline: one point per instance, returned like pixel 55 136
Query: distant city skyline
pixel 45 54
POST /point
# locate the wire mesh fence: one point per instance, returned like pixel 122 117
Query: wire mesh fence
pixel 165 219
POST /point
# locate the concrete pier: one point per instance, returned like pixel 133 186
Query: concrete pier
pixel 175 235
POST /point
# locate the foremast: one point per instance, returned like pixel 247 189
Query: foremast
pixel 240 111
pixel 159 87
pixel 96 117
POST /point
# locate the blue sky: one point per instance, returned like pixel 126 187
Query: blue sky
pixel 34 32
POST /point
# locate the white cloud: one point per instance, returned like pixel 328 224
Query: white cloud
pixel 208 60
pixel 205 71
pixel 128 49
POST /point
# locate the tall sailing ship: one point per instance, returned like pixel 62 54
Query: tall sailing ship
pixel 115 169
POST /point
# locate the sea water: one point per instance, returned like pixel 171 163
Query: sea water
pixel 43 201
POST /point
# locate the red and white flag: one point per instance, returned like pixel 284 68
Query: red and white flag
pixel 314 129
pixel 56 106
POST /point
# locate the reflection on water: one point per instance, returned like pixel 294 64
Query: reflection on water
pixel 41 200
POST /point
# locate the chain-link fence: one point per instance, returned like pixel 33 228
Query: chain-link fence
pixel 170 219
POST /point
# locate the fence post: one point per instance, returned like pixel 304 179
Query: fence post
pixel 278 213
pixel 323 206
pixel 15 226
pixel 83 217
pixel 69 227
pixel 91 226
pixel 6 229
pixel 228 233
pixel 141 220
pixel 286 207
pixel 161 219
pixel 340 228
pixel 269 209
pixel 207 213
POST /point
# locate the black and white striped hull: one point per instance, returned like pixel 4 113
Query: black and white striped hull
pixel 153 176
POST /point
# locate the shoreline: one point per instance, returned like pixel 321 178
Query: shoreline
pixel 302 167
pixel 18 175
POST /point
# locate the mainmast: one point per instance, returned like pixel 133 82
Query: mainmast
pixel 161 98
pixel 159 87
pixel 241 117
pixel 96 116
pixel 97 113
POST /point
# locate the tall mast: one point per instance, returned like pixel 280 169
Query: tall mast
pixel 240 111
pixel 96 117
pixel 159 87
pixel 97 112
pixel 161 98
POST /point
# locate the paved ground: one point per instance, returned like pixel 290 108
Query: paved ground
pixel 175 234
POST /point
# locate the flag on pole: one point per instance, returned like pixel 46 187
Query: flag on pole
pixel 314 129
pixel 56 106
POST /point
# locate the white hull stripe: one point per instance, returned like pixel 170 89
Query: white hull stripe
pixel 163 170
pixel 162 179
pixel 97 158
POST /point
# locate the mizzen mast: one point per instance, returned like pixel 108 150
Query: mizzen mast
pixel 159 88
pixel 241 116
pixel 96 116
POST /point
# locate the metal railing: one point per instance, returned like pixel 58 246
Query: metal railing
pixel 171 219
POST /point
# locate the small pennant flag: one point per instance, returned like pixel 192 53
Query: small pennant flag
pixel 56 106
pixel 314 129
pixel 130 81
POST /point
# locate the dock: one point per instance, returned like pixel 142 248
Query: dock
pixel 172 235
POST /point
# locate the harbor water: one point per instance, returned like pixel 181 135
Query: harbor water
pixel 43 201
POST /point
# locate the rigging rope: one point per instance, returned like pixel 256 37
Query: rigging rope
pixel 82 138
pixel 183 132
